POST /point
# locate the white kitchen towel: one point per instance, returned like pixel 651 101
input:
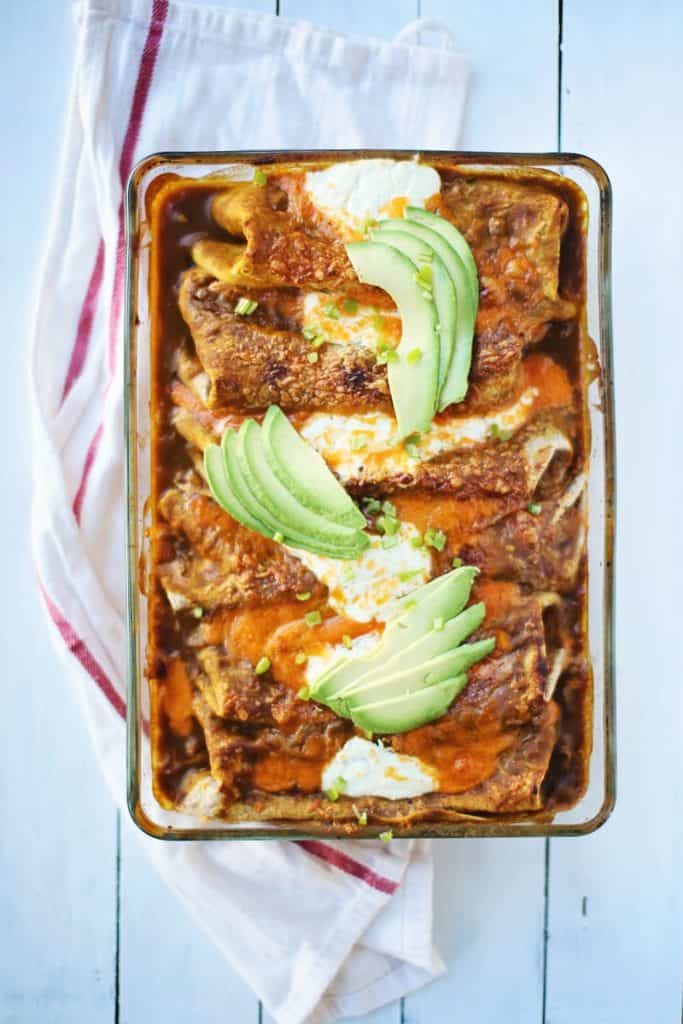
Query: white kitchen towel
pixel 319 929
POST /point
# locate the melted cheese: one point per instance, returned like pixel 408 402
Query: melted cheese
pixel 366 587
pixel 369 769
pixel 332 435
pixel 365 328
pixel 352 193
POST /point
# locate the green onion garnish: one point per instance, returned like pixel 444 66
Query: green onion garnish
pixel 414 356
pixel 456 563
pixel 350 306
pixel 260 177
pixel 388 508
pixel 388 524
pixel 386 837
pixel 534 509
pixel 245 307
pixel 262 665
pixel 409 574
pixel 347 641
pixel 337 789
pixel 197 613
pixel 304 693
pixel 361 816
pixel 424 277
pixel 278 537
pixel 389 542
pixel 435 538
pixel 310 333
pixel 313 618
pixel 417 542
pixel 303 596
pixel 372 505
pixel 313 357
pixel 331 311
pixel 300 659
pixel 357 444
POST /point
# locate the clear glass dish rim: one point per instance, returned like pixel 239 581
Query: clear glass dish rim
pixel 493 827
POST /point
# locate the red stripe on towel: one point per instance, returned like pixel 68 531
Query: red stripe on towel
pixel 345 863
pixel 85 322
pixel 143 82
pixel 84 655
pixel 87 466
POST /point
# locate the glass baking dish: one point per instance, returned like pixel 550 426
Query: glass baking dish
pixel 596 805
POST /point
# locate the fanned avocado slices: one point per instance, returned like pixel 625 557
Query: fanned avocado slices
pixel 414 371
pixel 243 481
pixel 411 711
pixel 304 472
pixel 421 651
pixel 443 597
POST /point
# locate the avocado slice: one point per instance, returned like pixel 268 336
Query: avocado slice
pixel 443 597
pixel 449 663
pixel 217 477
pixel 443 289
pixel 455 384
pixel 455 239
pixel 401 714
pixel 253 517
pixel 298 524
pixel 433 644
pixel 413 385
pixel 280 511
pixel 304 473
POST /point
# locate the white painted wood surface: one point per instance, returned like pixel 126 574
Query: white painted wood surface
pixel 89 931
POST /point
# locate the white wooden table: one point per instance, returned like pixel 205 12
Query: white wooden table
pixel 578 931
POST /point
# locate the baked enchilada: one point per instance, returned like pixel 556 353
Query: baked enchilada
pixel 367 560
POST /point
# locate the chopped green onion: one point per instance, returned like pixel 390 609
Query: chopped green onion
pixel 313 357
pixel 435 538
pixel 310 333
pixel 372 505
pixel 304 693
pixel 424 278
pixel 245 307
pixel 197 613
pixel 389 508
pixel 337 789
pixel 357 443
pixel 499 434
pixel 331 311
pixel 386 837
pixel 347 641
pixel 303 596
pixel 414 356
pixel 408 575
pixel 409 605
pixel 350 306
pixel 412 450
pixel 389 542
pixel 262 665
pixel 278 537
pixel 388 524
pixel 300 659
pixel 386 354
pixel 456 563
pixel 534 509
pixel 361 816
pixel 348 574
pixel 260 177
pixel 313 618
pixel 378 322
pixel 438 624
pixel 319 340
pixel 417 542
